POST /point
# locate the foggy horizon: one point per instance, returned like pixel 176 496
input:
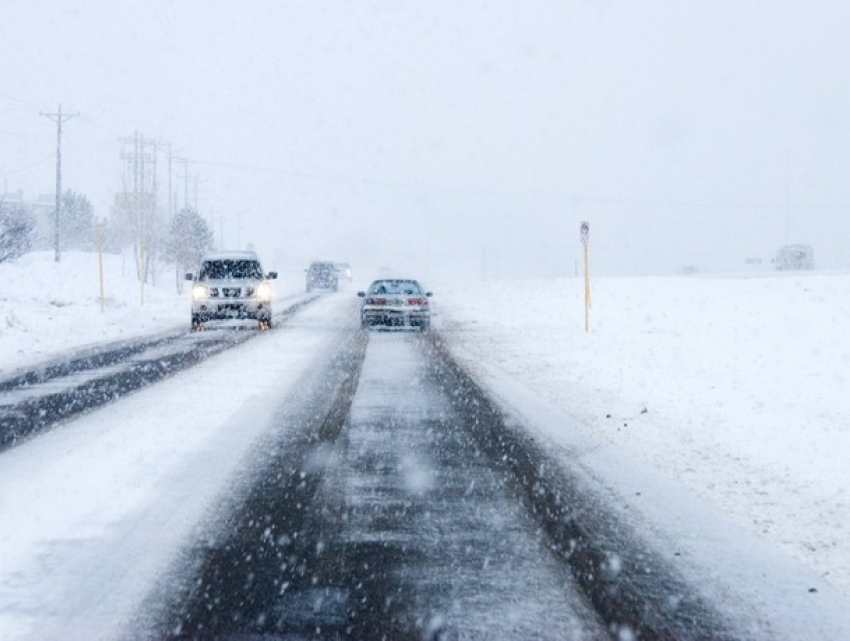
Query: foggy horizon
pixel 437 139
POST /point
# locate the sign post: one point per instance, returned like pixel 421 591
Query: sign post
pixel 585 241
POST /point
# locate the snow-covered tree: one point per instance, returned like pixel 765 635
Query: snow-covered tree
pixel 188 238
pixel 76 222
pixel 16 232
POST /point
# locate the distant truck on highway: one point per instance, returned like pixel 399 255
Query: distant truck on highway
pixel 795 257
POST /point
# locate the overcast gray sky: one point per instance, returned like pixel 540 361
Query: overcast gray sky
pixel 439 135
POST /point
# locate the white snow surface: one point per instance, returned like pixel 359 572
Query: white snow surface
pixel 713 412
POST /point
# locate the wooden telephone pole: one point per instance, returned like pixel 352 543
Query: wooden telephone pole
pixel 58 118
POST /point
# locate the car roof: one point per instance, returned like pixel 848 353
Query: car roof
pixel 395 281
pixel 231 255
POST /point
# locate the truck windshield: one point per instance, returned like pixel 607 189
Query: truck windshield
pixel 223 269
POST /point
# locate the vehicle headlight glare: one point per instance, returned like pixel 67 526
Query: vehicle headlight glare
pixel 264 291
pixel 199 292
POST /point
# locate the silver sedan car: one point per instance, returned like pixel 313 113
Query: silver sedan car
pixel 395 302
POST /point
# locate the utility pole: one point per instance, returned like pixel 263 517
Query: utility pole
pixel 787 166
pixel 172 198
pixel 187 178
pixel 140 176
pixel 58 118
pixel 170 193
pixel 186 183
pixel 196 179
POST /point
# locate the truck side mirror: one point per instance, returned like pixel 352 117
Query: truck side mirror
pixel 190 276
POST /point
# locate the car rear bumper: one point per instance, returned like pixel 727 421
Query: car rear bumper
pixel 395 317
pixel 322 284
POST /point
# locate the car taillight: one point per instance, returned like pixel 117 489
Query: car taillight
pixel 376 301
pixel 417 301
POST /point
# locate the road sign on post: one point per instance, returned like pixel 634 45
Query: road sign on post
pixel 585 241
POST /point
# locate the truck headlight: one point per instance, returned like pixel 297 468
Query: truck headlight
pixel 199 292
pixel 264 292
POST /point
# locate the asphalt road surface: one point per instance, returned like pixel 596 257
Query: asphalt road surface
pixel 392 524
pixel 395 505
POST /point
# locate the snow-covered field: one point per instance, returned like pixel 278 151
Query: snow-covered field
pixel 733 389
pixel 736 388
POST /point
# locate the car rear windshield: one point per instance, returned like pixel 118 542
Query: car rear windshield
pixel 405 287
pixel 222 269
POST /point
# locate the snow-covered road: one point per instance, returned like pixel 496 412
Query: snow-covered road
pixel 92 512
pixel 388 521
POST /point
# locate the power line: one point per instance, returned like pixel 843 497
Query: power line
pixel 26 101
pixel 20 169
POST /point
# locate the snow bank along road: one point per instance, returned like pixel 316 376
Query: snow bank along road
pixel 33 399
pixel 323 481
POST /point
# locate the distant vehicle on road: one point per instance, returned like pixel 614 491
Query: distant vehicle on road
pixel 795 257
pixel 344 270
pixel 322 275
pixel 231 285
pixel 395 302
